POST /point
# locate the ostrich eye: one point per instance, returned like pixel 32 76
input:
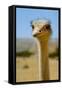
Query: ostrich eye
pixel 48 27
pixel 32 26
pixel 39 30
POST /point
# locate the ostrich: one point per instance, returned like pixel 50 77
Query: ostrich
pixel 41 29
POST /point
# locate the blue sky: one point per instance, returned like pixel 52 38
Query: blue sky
pixel 24 16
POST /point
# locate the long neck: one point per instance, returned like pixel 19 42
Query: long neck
pixel 44 59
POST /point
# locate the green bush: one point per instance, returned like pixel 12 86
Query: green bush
pixel 24 53
pixel 54 54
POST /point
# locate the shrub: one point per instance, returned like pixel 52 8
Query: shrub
pixel 54 54
pixel 24 53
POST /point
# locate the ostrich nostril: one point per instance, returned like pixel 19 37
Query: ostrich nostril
pixel 34 35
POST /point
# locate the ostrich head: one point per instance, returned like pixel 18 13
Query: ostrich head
pixel 41 29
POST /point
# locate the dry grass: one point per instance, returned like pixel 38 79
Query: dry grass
pixel 27 69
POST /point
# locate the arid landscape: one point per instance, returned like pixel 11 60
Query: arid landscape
pixel 27 68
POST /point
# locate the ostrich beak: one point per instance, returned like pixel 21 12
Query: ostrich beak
pixel 34 33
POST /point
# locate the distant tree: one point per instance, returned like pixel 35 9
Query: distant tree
pixel 25 54
pixel 54 54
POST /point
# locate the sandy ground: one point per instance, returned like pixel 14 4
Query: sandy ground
pixel 27 69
